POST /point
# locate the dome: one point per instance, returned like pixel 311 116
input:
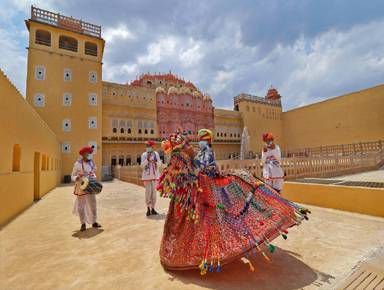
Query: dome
pixel 185 90
pixel 159 90
pixel 273 94
pixel 207 98
pixel 172 90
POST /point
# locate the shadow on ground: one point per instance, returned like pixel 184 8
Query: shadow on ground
pixel 285 271
pixel 159 216
pixel 89 233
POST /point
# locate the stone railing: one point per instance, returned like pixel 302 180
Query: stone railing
pixel 299 167
pixel 130 174
pixel 294 167
pixel 341 149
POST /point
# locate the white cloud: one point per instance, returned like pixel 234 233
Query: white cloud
pixel 121 32
pixel 192 54
pixel 337 62
pixel 13 59
pixel 162 48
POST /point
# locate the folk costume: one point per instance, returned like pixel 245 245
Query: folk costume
pixel 273 174
pixel 85 204
pixel 150 162
pixel 214 219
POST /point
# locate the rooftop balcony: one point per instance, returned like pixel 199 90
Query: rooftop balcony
pixel 65 22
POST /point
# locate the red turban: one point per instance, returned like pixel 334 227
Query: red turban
pixel 86 149
pixel 150 143
pixel 267 137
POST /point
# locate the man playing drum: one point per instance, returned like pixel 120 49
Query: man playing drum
pixel 85 203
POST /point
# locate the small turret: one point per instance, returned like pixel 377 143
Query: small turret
pixel 273 94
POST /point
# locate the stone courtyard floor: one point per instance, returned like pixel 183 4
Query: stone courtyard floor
pixel 369 176
pixel 42 249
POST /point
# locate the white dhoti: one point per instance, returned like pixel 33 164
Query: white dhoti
pixel 85 208
pixel 273 176
pixel 150 193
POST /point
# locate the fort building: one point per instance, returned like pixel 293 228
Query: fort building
pixel 69 105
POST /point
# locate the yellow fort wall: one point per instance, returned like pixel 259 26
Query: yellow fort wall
pixel 55 62
pixel 26 137
pixel 354 199
pixel 351 118
pixel 260 118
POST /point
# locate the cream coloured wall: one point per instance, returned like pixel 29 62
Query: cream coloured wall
pixel 227 133
pixel 260 118
pixel 55 61
pixel 351 118
pixel 21 125
pixel 121 150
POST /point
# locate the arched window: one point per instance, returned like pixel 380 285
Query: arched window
pixel 121 130
pixel 90 48
pixel 145 131
pixel 152 131
pixel 16 160
pixel 121 160
pixel 129 131
pixel 44 162
pixel 139 131
pixel 114 130
pixel 113 161
pixel 68 43
pixel 128 160
pixel 43 37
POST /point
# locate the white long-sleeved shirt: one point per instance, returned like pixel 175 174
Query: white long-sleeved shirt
pixel 86 168
pixel 272 163
pixel 271 155
pixel 150 165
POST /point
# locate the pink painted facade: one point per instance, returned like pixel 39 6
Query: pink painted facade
pixel 180 105
pixel 181 109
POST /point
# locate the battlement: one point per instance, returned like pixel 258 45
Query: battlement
pixel 256 99
pixel 65 22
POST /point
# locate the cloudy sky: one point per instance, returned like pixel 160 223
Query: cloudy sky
pixel 309 50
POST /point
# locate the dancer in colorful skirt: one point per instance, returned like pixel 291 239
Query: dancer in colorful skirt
pixel 273 174
pixel 214 219
pixel 85 203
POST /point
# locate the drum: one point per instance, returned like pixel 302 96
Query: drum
pixel 90 186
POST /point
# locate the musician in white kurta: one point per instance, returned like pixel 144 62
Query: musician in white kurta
pixel 150 162
pixel 273 173
pixel 85 204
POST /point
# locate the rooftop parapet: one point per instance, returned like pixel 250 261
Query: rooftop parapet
pixel 65 22
pixel 256 99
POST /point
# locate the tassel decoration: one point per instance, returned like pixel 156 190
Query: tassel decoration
pixel 265 256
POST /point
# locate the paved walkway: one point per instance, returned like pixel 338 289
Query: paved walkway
pixel 42 249
pixel 370 176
